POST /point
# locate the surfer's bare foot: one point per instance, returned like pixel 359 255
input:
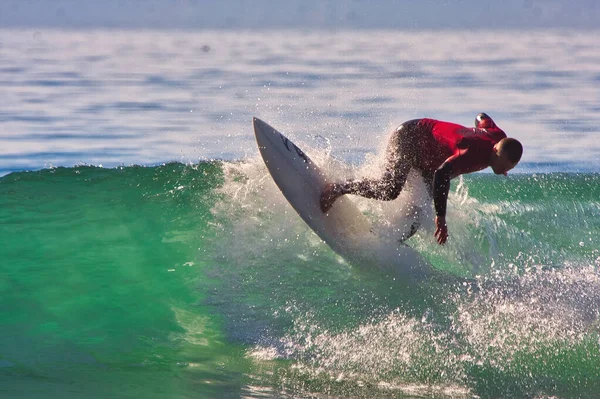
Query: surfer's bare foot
pixel 331 192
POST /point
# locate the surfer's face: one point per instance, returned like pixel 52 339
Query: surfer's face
pixel 500 161
pixel 502 165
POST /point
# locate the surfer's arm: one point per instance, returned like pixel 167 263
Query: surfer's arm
pixel 441 188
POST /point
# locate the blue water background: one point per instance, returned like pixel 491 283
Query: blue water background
pixel 110 97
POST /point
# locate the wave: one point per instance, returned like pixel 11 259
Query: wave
pixel 225 259
pixel 496 223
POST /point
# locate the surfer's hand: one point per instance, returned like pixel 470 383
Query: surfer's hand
pixel 331 192
pixel 441 229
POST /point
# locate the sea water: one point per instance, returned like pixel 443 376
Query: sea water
pixel 145 251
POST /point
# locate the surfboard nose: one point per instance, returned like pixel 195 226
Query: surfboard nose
pixel 260 126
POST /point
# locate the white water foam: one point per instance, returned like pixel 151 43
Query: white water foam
pixel 253 203
pixel 512 327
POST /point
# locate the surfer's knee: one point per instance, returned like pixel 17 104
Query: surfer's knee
pixel 392 183
pixel 390 191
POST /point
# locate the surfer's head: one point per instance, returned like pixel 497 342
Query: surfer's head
pixel 483 121
pixel 507 154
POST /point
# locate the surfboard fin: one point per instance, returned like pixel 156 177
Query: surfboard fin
pixel 415 212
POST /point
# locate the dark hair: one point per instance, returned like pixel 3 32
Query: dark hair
pixel 512 148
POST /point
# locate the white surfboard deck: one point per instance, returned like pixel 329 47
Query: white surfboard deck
pixel 344 228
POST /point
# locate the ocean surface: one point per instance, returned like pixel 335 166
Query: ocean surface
pixel 145 251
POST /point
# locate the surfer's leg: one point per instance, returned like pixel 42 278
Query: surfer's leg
pixel 428 179
pixel 330 193
pixel 386 189
pixel 400 158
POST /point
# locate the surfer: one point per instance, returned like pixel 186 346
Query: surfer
pixel 440 151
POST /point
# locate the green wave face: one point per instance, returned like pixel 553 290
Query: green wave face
pixel 200 281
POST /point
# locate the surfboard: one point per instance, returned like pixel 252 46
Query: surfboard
pixel 344 227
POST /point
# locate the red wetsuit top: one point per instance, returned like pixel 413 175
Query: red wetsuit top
pixel 440 150
pixel 467 149
pixel 452 150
